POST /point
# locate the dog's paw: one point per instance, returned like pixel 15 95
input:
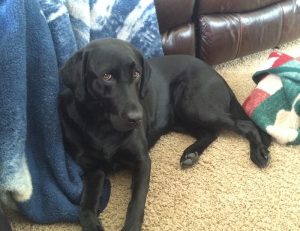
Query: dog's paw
pixel 90 222
pixel 92 228
pixel 260 156
pixel 189 159
pixel 131 228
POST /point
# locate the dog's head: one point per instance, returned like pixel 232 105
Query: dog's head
pixel 113 73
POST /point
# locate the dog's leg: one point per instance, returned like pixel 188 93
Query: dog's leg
pixel 4 223
pixel 259 153
pixel 259 140
pixel 140 186
pixel 238 113
pixel 92 187
pixel 191 155
pixel 265 137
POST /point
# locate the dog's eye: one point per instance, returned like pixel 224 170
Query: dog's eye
pixel 107 77
pixel 136 75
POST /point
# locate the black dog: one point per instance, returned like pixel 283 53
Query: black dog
pixel 117 105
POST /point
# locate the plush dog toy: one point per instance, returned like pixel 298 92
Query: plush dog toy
pixel 274 105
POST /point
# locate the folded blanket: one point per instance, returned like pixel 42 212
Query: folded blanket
pixel 274 105
pixel 36 38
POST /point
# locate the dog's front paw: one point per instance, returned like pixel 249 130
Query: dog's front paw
pixel 131 228
pixel 92 228
pixel 189 159
pixel 260 156
pixel 90 222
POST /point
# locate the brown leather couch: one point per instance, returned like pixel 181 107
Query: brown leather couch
pixel 221 30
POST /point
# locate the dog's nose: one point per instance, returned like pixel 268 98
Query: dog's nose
pixel 133 117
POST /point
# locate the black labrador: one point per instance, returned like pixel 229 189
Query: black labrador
pixel 117 104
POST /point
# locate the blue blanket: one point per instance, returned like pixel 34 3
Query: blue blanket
pixel 36 38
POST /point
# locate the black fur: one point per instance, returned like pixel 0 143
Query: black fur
pixel 116 105
pixel 4 222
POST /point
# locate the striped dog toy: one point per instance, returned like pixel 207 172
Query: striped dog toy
pixel 274 105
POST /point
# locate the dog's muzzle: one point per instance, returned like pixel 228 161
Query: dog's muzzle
pixel 127 120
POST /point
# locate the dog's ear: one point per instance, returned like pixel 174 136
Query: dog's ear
pixel 146 73
pixel 72 74
pixel 145 77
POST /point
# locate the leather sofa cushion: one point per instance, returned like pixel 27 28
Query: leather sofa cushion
pixel 228 36
pixel 231 6
pixel 173 13
pixel 180 40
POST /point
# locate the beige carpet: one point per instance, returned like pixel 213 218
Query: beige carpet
pixel 224 191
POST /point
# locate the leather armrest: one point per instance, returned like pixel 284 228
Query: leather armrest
pixel 180 40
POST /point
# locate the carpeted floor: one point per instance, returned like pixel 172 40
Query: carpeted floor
pixel 224 191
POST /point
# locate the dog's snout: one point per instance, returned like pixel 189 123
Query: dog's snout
pixel 132 116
